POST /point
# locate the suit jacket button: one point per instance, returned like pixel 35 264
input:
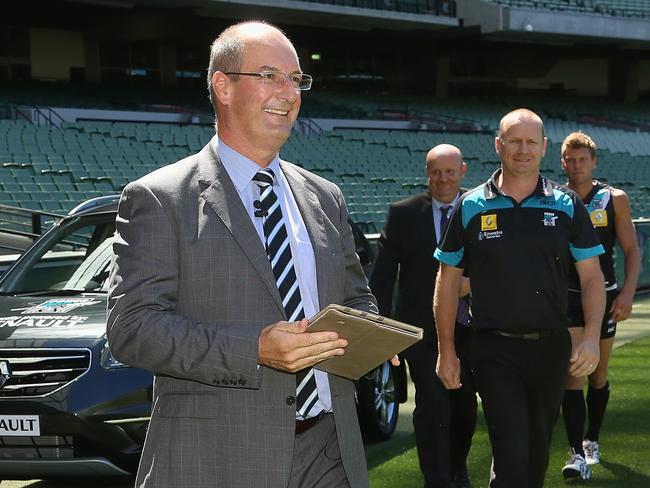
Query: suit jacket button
pixel 290 400
pixel 242 381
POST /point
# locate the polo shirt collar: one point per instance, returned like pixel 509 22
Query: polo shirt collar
pixel 544 186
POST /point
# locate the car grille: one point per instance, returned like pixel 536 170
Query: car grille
pixel 43 447
pixel 38 372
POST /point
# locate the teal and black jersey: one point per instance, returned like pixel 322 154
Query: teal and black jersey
pixel 518 255
pixel 600 205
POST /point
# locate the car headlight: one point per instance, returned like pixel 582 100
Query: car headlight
pixel 107 361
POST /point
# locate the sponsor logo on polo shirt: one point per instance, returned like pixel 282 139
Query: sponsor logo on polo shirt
pixel 599 218
pixel 549 219
pixel 548 203
pixel 494 234
pixel 489 222
pixel 597 203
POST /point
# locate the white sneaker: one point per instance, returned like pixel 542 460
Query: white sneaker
pixel 592 452
pixel 576 467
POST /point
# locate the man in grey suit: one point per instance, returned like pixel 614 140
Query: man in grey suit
pixel 218 259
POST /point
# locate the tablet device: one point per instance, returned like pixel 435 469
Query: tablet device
pixel 372 339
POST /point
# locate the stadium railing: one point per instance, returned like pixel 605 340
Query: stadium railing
pixel 19 227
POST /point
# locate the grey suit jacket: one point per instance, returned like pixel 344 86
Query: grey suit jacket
pixel 191 289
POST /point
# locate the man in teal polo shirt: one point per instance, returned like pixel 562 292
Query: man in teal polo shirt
pixel 516 237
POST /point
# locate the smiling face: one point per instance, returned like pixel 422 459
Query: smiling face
pixel 579 165
pixel 521 145
pixel 256 116
pixel 445 171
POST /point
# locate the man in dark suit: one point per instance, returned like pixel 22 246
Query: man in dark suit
pixel 218 259
pixel 444 425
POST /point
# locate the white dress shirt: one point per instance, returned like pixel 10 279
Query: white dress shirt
pixel 241 171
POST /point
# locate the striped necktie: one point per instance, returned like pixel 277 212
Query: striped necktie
pixel 278 251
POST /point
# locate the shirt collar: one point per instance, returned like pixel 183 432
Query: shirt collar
pixel 438 204
pixel 241 169
pixel 544 186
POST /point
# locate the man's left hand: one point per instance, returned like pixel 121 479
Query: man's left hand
pixel 621 307
pixel 584 358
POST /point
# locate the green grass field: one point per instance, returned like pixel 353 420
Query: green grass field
pixel 625 438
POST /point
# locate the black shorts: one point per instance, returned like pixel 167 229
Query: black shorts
pixel 577 318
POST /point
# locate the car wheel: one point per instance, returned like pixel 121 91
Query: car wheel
pixel 377 403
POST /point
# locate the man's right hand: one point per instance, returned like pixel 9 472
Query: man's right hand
pixel 288 347
pixel 448 370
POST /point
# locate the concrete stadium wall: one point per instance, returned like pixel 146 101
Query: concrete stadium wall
pixel 489 16
pixel 587 25
pixel 54 52
pixel 493 18
pixel 644 75
pixel 586 77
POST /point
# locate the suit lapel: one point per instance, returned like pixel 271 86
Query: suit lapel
pixel 426 220
pixel 221 195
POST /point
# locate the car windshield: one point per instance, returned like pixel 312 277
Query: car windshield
pixel 74 259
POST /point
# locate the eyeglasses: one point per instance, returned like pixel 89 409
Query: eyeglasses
pixel 299 81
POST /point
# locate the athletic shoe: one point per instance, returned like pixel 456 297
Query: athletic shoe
pixel 576 467
pixel 592 452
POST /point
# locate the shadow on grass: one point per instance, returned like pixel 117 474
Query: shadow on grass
pixel 623 476
pixel 394 464
pixel 378 453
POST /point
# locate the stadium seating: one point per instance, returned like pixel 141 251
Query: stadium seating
pixel 438 7
pixel 52 169
pixel 629 8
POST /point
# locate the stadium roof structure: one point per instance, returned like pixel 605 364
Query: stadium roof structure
pixel 307 13
pixel 536 21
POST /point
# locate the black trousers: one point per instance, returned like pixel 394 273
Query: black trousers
pixel 444 424
pixel 463 404
pixel 521 383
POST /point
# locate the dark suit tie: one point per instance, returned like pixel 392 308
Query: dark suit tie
pixel 444 221
pixel 278 251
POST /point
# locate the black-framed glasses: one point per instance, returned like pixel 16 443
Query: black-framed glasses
pixel 299 81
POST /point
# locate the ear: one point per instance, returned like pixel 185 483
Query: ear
pixel 497 145
pixel 221 87
pixel 544 144
pixel 463 169
pixel 563 164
